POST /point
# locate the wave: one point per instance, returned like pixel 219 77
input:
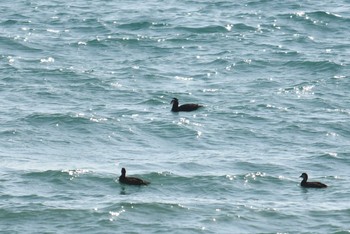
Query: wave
pixel 325 15
pixel 167 179
pixel 11 43
pixel 53 176
pixel 238 27
pixel 317 65
pixel 25 219
pixel 55 118
pixel 130 39
pixel 64 177
pixel 243 27
pixel 319 20
pixel 319 15
pixel 136 25
pixel 203 30
pixel 9 22
pixel 220 181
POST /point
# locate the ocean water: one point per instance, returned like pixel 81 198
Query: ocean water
pixel 86 88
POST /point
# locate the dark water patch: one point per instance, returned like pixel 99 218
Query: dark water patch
pixel 170 179
pixel 338 216
pixel 216 62
pixel 286 53
pixel 92 179
pixel 147 207
pixel 305 86
pixel 332 158
pixel 336 129
pixel 320 21
pixel 122 40
pixel 11 73
pixel 222 4
pixel 52 176
pixel 327 16
pixel 298 40
pixel 8 132
pixel 264 83
pixel 44 75
pixel 264 180
pixel 180 41
pixel 59 218
pixel 178 128
pixel 219 186
pixel 249 65
pixel 259 168
pixel 12 46
pixel 56 118
pixel 316 66
pixel 56 185
pixel 242 27
pixel 100 43
pixel 18 16
pixel 203 30
pixel 272 7
pixel 89 27
pixel 246 116
pixel 9 22
pixel 151 102
pixel 134 26
pixel 160 24
pixel 142 216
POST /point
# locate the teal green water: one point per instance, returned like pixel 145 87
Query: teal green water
pixel 86 89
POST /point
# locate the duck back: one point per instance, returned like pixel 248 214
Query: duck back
pixel 132 180
pixel 313 185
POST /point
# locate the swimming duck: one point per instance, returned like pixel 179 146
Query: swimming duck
pixel 184 107
pixel 131 180
pixel 306 184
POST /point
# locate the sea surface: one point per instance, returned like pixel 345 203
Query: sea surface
pixel 86 88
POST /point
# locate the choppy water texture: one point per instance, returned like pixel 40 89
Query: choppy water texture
pixel 85 90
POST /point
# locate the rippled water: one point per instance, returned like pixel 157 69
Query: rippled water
pixel 86 87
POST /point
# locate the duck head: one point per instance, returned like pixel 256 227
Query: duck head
pixel 304 176
pixel 123 171
pixel 174 101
